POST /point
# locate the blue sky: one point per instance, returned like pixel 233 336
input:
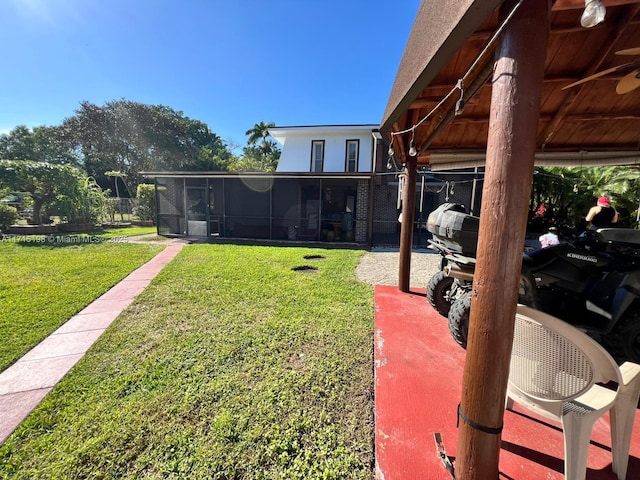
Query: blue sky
pixel 230 63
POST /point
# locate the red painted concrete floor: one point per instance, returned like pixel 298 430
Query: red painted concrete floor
pixel 418 380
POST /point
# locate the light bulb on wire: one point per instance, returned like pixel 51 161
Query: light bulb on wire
pixel 412 146
pixel 412 149
pixel 594 12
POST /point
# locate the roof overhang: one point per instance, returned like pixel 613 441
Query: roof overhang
pixel 455 41
pixel 440 29
pixel 272 175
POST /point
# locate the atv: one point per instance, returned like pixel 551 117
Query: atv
pixel 592 283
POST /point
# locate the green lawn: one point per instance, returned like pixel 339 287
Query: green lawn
pixel 232 364
pixel 126 232
pixel 45 283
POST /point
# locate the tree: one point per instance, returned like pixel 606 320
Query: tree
pixel 43 181
pixel 131 137
pixel 18 144
pixel 260 133
pixel 253 159
pixel 258 158
pixel 42 144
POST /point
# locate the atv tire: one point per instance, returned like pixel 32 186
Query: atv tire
pixel 439 293
pixel 459 319
pixel 623 342
pixel 526 291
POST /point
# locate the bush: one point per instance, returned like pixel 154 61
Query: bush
pixel 110 207
pixel 82 202
pixel 146 208
pixel 8 216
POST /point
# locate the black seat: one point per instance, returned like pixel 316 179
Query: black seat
pixel 627 236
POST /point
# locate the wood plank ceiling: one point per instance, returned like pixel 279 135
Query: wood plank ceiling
pixel 583 125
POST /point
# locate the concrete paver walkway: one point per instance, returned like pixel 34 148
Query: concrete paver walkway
pixel 24 384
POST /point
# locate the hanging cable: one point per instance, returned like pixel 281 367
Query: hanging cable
pixel 460 103
pixel 460 83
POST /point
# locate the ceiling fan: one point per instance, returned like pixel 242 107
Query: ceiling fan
pixel 628 83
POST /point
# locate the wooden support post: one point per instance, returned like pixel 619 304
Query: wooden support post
pixel 515 104
pixel 406 228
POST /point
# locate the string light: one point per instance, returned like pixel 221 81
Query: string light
pixel 594 12
pixel 460 104
pixel 391 162
pixel 412 149
pixel 412 146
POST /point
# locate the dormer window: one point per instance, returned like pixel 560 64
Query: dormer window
pixel 317 155
pixel 351 157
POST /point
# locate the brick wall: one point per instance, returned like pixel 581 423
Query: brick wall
pixel 362 211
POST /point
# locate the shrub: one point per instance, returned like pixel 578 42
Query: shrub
pixel 146 208
pixel 82 202
pixel 8 216
pixel 110 207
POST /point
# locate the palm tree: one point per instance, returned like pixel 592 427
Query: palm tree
pixel 260 131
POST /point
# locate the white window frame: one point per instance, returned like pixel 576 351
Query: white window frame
pixel 317 156
pixel 348 161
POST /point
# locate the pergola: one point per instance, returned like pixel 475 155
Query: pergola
pixel 484 82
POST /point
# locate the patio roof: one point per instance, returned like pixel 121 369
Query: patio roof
pixel 589 124
pixel 440 103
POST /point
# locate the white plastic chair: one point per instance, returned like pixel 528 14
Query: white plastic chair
pixel 555 371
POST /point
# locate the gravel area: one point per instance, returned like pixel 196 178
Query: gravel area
pixel 380 266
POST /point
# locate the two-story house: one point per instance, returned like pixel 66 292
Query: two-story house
pixel 333 183
pixel 327 148
pixel 320 191
pixel 338 162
